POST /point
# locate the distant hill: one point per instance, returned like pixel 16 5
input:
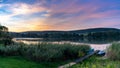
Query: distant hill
pixel 40 33
pixel 95 30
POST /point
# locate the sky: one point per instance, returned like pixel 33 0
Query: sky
pixel 45 15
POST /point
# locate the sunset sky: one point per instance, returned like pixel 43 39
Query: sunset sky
pixel 40 15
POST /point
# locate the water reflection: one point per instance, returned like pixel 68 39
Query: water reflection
pixel 96 45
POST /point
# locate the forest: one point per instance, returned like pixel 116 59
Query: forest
pixel 90 35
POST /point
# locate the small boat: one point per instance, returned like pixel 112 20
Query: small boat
pixel 101 53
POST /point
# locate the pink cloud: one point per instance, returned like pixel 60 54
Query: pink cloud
pixel 90 11
pixel 90 15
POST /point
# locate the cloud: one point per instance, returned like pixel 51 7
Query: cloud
pixel 26 25
pixel 25 9
pixel 22 9
pixel 71 15
pixel 21 12
pixel 60 14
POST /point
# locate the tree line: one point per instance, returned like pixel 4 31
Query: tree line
pixel 90 36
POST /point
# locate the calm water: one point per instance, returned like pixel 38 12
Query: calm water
pixel 39 40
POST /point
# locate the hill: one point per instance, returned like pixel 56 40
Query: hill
pixel 95 30
pixel 45 33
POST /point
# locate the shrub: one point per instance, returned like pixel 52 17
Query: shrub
pixel 45 51
pixel 113 52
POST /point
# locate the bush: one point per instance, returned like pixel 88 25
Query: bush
pixel 45 51
pixel 113 52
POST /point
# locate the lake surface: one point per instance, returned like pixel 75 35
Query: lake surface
pixel 40 40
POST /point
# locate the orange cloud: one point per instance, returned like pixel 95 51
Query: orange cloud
pixel 27 25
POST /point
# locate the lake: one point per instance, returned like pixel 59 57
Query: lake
pixel 96 46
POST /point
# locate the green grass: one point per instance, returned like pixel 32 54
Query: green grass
pixel 94 62
pixel 19 62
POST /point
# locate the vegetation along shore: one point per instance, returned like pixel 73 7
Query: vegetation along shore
pixel 49 55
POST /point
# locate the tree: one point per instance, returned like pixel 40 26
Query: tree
pixel 4 36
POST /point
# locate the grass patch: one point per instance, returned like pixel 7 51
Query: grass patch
pixel 94 62
pixel 19 62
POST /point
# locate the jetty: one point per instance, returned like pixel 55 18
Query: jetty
pixel 78 60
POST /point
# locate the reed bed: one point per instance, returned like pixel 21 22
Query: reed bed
pixel 45 51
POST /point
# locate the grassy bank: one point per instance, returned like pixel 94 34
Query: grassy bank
pixel 45 55
pixel 19 62
pixel 112 59
pixel 97 62
pixel 113 52
pixel 45 51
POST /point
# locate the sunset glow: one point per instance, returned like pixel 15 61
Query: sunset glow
pixel 40 15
